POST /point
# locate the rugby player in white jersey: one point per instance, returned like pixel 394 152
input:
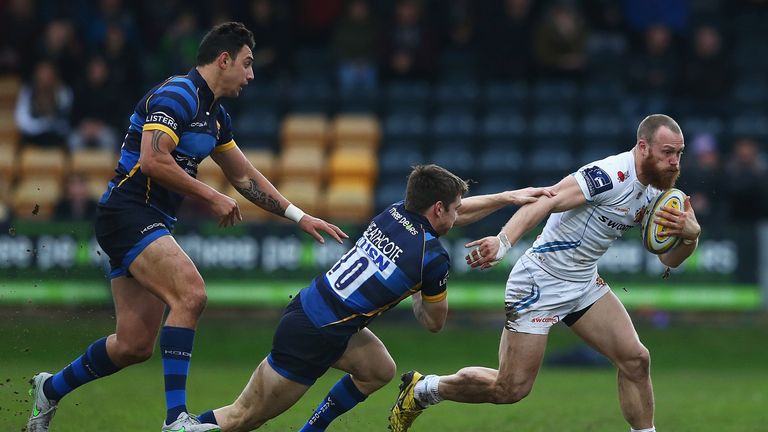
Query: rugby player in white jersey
pixel 557 279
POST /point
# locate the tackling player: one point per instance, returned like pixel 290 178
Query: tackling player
pixel 174 127
pixel 399 255
pixel 557 280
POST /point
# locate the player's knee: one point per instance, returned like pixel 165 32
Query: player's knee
pixel 134 352
pixel 637 364
pixel 386 372
pixel 194 298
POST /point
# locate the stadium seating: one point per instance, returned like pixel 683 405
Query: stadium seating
pixel 348 202
pixel 355 130
pixel 305 194
pixel 306 127
pixel 94 163
pixel 302 162
pixel 35 197
pixel 43 162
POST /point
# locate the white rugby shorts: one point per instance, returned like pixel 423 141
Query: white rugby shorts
pixel 535 300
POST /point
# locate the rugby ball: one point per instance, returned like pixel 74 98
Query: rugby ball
pixel 654 240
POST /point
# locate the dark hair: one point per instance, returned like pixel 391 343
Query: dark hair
pixel 229 37
pixel 428 184
pixel 648 127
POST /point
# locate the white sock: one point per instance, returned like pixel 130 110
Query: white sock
pixel 425 391
pixel 650 429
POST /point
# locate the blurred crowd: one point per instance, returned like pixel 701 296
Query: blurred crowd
pixel 84 64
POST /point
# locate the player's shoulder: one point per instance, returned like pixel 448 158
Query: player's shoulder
pixel 433 247
pixel 606 176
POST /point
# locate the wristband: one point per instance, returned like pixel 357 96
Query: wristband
pixel 504 246
pixel 294 213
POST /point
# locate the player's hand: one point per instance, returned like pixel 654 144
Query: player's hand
pixel 528 195
pixel 225 209
pixel 312 226
pixel 482 253
pixel 679 223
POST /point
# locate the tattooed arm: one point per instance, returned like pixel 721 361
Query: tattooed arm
pixel 156 162
pixel 254 186
pixel 250 182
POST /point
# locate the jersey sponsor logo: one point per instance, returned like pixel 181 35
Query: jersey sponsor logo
pixel 381 242
pixel 613 224
pixel 187 163
pixel 445 279
pixel 403 221
pixel 198 124
pixel 153 226
pixel 162 118
pixel 598 181
pixel 622 175
pixel 545 320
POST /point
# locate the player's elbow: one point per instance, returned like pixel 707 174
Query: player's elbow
pixel 148 166
pixel 670 261
pixel 434 327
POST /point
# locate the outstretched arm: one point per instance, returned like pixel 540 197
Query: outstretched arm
pixel 567 195
pixel 477 207
pixel 257 189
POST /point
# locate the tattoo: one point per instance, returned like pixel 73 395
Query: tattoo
pixel 260 198
pixel 156 134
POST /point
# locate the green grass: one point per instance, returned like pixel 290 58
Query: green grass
pixel 707 377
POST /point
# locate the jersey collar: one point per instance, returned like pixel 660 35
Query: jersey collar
pixel 420 220
pixel 204 92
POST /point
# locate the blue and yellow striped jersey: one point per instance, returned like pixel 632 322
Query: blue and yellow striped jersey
pixel 397 255
pixel 183 107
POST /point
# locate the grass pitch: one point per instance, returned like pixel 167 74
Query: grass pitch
pixel 707 377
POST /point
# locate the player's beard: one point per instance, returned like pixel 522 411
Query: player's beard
pixel 660 179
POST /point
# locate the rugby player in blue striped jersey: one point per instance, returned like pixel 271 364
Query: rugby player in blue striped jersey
pixel 176 125
pixel 398 256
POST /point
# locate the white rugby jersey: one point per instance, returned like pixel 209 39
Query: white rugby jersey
pixel 573 241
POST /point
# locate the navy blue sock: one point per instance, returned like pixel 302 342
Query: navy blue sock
pixel 93 364
pixel 343 397
pixel 176 351
pixel 207 417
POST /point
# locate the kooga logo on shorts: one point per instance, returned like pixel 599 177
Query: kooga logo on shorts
pixel 154 225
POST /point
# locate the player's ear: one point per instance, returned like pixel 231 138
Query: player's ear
pixel 223 59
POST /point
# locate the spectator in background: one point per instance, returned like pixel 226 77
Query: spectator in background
pixel 409 51
pixel 178 48
pixel 77 203
pixel 125 73
pixel 506 42
pixel 354 44
pixel 703 180
pixel 20 31
pixel 43 108
pixel 96 115
pixel 560 43
pixel 457 21
pixel 273 40
pixel 655 69
pixel 316 19
pixel 645 14
pixel 108 13
pixel 62 47
pixel 747 182
pixel 706 74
